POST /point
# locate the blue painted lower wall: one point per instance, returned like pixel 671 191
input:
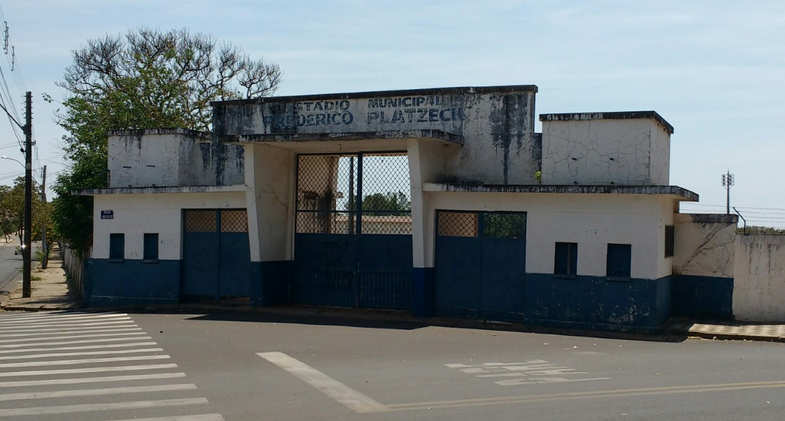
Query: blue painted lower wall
pixel 583 302
pixel 422 292
pixel 702 297
pixel 275 282
pixel 596 303
pixel 131 282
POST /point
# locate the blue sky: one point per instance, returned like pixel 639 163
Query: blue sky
pixel 714 70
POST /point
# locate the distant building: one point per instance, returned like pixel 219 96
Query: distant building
pixel 474 215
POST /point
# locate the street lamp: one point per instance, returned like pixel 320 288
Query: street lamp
pixel 12 159
pixel 728 180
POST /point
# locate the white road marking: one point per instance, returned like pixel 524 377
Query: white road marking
pixel 83 380
pixel 77 348
pixel 74 337
pixel 88 370
pixel 49 327
pixel 16 319
pixel 334 389
pixel 65 323
pixel 95 392
pixel 66 409
pixel 129 328
pixel 79 354
pixel 84 361
pixel 89 341
pixel 202 417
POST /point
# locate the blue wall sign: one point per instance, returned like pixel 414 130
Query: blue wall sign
pixel 107 214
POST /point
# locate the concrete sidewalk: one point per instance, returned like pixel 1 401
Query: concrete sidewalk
pixel 50 292
pixel 49 289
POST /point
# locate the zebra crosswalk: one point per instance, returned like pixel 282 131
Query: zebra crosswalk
pixel 90 367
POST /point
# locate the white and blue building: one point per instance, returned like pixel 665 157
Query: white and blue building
pixel 442 202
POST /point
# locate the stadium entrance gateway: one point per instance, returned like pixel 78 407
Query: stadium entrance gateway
pixel 437 201
pixel 353 240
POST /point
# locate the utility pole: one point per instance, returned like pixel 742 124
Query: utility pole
pixel 28 251
pixel 44 244
pixel 727 182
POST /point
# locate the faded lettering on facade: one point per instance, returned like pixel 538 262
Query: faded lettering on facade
pixel 372 112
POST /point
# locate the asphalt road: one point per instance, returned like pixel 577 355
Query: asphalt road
pixel 262 367
pixel 10 264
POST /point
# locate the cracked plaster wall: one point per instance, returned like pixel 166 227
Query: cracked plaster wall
pixel 613 151
pixel 759 284
pixel 137 214
pixel 703 248
pixel 499 143
pixel 167 158
pixel 270 176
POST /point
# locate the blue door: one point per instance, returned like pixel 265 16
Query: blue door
pixel 480 265
pixel 216 257
pixel 352 252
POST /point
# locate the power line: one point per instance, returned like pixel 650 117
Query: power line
pixel 737 207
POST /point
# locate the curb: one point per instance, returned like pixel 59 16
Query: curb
pixel 736 337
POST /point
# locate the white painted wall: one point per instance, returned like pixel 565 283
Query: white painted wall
pixel 497 127
pixel 759 280
pixel 426 165
pixel 137 214
pixel 269 187
pixel 136 160
pixel 612 151
pixel 660 156
pixel 703 248
pixel 591 220
pixel 171 157
pixel 667 207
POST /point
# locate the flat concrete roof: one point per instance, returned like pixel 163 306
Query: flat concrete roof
pixel 685 194
pixel 348 136
pixel 615 115
pixel 385 94
pixel 161 131
pixel 161 190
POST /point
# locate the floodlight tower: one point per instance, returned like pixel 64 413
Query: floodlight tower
pixel 727 181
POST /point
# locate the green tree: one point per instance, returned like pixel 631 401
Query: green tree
pixel 141 80
pixel 390 203
pixel 7 223
pixel 13 207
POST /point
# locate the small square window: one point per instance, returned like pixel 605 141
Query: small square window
pixel 150 248
pixel 566 259
pixel 670 240
pixel 116 247
pixel 619 261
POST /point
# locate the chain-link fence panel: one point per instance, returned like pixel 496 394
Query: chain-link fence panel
pixel 458 224
pixel 234 221
pixel 201 221
pixel 387 203
pixel 327 194
pixel 504 225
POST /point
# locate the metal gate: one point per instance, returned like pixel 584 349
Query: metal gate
pixel 353 242
pixel 480 265
pixel 216 256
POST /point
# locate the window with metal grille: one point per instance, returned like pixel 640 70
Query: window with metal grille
pixel 116 247
pixel 234 221
pixel 504 225
pixel 458 224
pixel 200 221
pixel 150 252
pixel 619 261
pixel 566 260
pixel 670 240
